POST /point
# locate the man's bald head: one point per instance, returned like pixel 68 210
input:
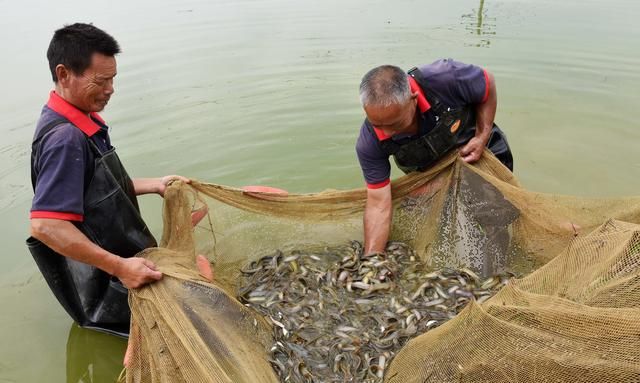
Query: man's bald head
pixel 384 86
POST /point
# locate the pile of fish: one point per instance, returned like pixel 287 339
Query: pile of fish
pixel 340 315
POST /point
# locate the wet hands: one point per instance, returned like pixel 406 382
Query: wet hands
pixel 136 272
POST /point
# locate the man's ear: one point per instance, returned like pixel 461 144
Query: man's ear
pixel 414 97
pixel 63 74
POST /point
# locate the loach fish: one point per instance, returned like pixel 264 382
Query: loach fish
pixel 340 315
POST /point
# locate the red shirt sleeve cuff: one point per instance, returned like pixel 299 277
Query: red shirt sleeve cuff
pixel 56 215
pixel 379 184
pixel 486 87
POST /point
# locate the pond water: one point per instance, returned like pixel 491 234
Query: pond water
pixel 265 92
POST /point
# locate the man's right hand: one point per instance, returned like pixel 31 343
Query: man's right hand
pixel 136 272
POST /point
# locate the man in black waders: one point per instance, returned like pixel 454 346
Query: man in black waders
pixel 418 118
pixel 85 221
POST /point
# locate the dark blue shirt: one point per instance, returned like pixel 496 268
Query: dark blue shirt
pixel 64 167
pixel 456 84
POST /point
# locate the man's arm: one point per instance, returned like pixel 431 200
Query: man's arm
pixel 64 238
pixel 155 185
pixel 485 115
pixel 377 219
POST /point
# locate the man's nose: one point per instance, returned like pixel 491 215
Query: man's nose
pixel 108 89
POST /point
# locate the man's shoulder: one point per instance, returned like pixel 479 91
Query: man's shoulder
pixel 445 70
pixel 455 82
pixel 62 136
pixel 65 134
pixel 443 66
pixel 60 130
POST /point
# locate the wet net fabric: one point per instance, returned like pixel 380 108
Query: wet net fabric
pixel 573 320
pixel 569 317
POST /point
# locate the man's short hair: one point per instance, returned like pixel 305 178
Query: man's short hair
pixel 74 45
pixel 383 86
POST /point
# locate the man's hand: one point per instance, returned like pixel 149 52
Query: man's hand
pixel 472 151
pixel 156 185
pixel 166 180
pixel 136 272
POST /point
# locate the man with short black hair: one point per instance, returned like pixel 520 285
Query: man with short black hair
pixel 418 118
pixel 86 226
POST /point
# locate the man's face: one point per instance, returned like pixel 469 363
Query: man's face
pixel 90 91
pixel 393 119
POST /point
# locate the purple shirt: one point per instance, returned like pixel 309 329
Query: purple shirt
pixel 456 84
pixel 64 168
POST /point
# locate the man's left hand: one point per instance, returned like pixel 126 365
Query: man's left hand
pixel 472 151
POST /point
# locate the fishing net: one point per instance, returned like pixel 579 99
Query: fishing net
pixel 569 317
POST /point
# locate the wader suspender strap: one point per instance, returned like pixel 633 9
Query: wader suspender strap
pixel 94 147
pixel 436 106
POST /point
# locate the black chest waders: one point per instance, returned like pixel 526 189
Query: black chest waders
pixel 112 220
pixel 454 127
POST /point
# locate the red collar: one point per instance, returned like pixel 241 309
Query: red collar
pixel 423 105
pixel 380 134
pixel 73 114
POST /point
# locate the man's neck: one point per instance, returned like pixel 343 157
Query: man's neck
pixel 64 94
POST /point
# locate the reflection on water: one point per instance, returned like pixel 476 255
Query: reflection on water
pixel 93 357
pixel 477 22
